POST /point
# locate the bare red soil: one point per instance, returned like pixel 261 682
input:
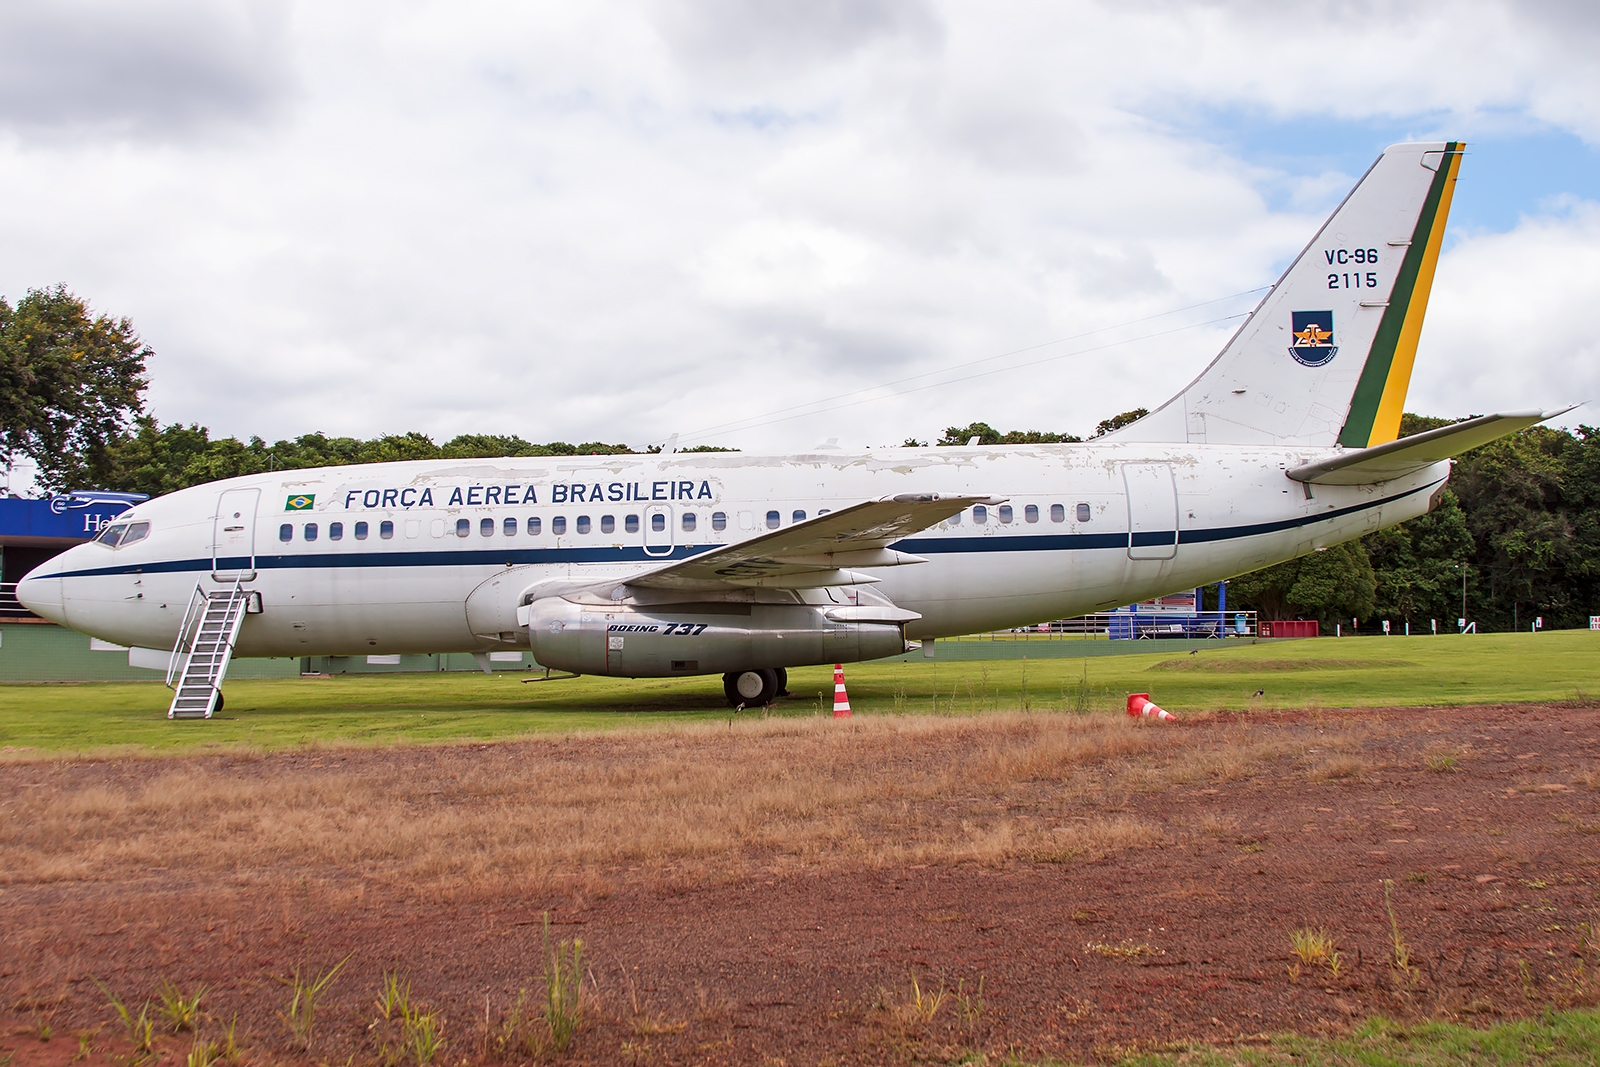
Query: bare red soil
pixel 1485 820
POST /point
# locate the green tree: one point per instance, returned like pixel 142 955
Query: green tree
pixel 151 460
pixel 988 435
pixel 71 384
pixel 1530 503
pixel 1417 564
pixel 1334 584
pixel 1117 422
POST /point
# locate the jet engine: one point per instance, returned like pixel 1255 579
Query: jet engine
pixel 709 637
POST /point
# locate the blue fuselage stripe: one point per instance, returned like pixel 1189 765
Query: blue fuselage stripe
pixel 922 546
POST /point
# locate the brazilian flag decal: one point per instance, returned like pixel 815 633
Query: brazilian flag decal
pixel 300 502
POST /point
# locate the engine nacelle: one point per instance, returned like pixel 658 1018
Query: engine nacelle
pixel 661 641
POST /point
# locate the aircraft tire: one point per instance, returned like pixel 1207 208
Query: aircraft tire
pixel 750 689
pixel 783 682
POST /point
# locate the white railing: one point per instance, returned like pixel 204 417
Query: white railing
pixel 10 606
pixel 1133 625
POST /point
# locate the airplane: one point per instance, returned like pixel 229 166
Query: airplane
pixel 678 564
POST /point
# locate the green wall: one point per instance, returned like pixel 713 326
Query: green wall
pixel 43 652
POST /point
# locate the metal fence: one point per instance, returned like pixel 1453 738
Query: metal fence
pixel 1124 625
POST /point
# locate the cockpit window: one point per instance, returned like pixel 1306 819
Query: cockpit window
pixel 124 533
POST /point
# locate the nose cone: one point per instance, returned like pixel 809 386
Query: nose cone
pixel 40 593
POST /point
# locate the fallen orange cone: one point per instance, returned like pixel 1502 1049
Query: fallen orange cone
pixel 841 699
pixel 1139 704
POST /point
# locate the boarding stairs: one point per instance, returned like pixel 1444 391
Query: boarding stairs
pixel 204 648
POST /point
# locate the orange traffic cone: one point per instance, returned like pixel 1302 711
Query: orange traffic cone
pixel 1139 704
pixel 841 699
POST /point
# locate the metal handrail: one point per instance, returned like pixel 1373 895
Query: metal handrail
pixel 10 606
pixel 191 619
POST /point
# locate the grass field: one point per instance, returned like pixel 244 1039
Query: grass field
pixel 1364 671
pixel 1557 1038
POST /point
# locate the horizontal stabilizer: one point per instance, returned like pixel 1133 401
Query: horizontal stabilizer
pixel 1381 463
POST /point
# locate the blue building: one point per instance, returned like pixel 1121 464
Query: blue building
pixel 32 531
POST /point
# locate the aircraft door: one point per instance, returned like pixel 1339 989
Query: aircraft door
pixel 1152 510
pixel 658 530
pixel 233 536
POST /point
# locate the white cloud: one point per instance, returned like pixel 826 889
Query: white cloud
pixel 1510 325
pixel 147 68
pixel 625 220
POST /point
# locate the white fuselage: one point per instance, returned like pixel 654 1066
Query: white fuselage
pixel 406 580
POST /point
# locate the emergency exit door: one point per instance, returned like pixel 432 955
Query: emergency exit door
pixel 658 530
pixel 1152 510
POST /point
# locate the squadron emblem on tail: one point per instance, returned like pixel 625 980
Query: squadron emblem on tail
pixel 1313 337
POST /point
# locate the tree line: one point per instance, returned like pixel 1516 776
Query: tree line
pixel 1519 519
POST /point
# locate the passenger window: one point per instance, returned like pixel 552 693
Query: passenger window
pixel 486 527
pixel 1004 514
pixel 658 522
pixel 798 516
pixel 311 531
pixel 136 532
pixel 533 525
pixel 509 527
pixel 1083 512
pixel 463 527
pixel 955 520
pixel 386 529
pixel 719 521
pixel 1031 513
pixel 583 524
pixel 361 531
pixel 558 525
pixel 688 522
pixel 631 523
pixel 608 523
pixel 336 531
pixel 822 511
pixel 773 519
pixel 980 514
pixel 1058 513
pixel 285 532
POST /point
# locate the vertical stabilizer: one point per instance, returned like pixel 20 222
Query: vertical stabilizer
pixel 1326 358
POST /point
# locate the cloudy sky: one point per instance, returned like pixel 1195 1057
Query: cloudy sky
pixel 765 224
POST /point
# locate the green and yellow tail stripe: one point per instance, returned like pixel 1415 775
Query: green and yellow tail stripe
pixel 1381 393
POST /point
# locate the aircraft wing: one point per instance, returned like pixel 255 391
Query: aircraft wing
pixel 819 551
pixel 1380 463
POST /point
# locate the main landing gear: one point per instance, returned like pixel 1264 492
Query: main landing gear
pixel 755 689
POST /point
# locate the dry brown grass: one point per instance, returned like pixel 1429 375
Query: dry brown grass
pixel 876 791
pixel 680 805
pixel 1214 824
pixel 1338 767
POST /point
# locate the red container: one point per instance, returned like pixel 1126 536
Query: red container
pixel 1290 628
